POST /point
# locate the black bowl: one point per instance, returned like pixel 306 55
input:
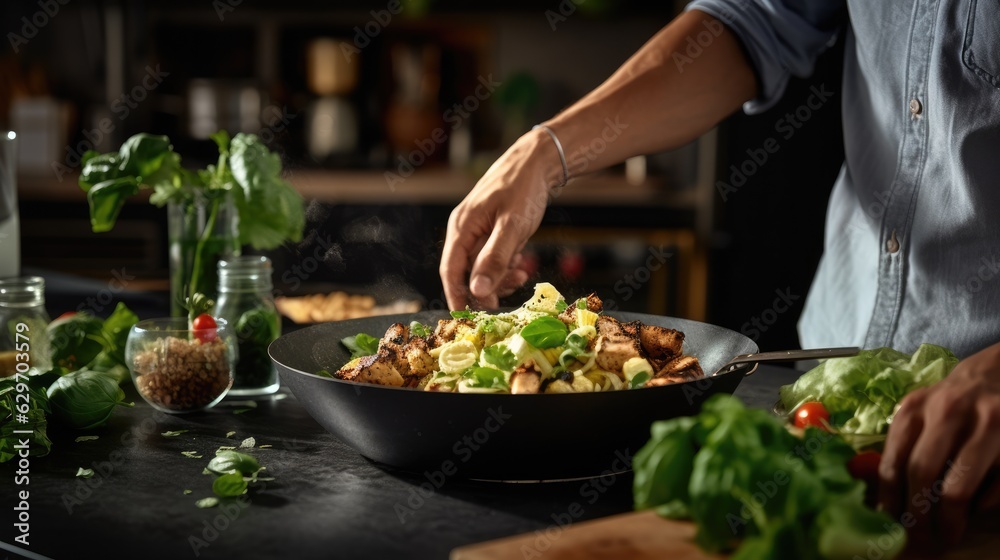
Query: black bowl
pixel 496 436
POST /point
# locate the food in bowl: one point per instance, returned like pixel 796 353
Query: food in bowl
pixel 177 370
pixel 547 345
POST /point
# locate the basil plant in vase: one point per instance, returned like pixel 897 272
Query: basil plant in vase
pixel 213 212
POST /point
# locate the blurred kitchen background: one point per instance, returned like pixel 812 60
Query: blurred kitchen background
pixel 385 114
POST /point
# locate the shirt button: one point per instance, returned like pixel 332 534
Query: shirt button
pixel 892 245
pixel 915 107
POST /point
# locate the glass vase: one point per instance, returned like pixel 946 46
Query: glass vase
pixel 201 232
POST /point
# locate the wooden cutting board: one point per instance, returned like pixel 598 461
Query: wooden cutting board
pixel 646 536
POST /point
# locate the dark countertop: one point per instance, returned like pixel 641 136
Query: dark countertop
pixel 325 501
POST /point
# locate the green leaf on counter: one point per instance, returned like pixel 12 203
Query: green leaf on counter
pixel 229 485
pixel 81 439
pixel 207 502
pixel 173 433
pixel 233 462
pixel 85 399
pixel 191 454
pixel 84 473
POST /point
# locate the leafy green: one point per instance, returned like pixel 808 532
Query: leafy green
pixel 269 206
pixel 229 485
pixel 486 377
pixel 34 416
pixel 581 303
pixel 324 373
pixel 84 473
pixel 85 398
pixel 463 314
pixel 270 209
pixel 226 462
pixel 861 392
pixel 545 332
pixel 639 379
pixel 752 486
pixel 361 345
pixel 209 502
pixel 84 341
pixel 561 305
pixel 500 357
pixel 419 329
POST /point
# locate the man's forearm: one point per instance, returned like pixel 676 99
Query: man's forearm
pixel 655 101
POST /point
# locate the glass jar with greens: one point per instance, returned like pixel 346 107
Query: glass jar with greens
pixel 247 304
pixel 202 230
pixel 24 343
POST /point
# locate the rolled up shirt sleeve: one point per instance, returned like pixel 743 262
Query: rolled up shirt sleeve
pixel 781 37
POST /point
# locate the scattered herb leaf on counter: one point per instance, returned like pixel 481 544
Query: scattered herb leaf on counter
pixel 265 446
pixel 173 433
pixel 752 486
pixel 233 462
pixel 85 399
pixel 186 492
pixel 229 485
pixel 861 392
pixel 225 448
pixel 207 502
pixel 81 439
pixel 84 473
pixel 191 454
pixel 248 443
pixel 230 434
pixel 361 345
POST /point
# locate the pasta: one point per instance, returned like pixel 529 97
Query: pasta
pixel 547 345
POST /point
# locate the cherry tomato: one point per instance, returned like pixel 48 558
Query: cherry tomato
pixel 204 326
pixel 864 466
pixel 812 413
pixel 66 315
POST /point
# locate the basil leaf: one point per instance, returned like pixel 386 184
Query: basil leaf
pixel 75 340
pixel 207 502
pixel 418 329
pixel 561 305
pixel 229 485
pixel 361 345
pixel 500 356
pixel 486 377
pixel 639 379
pixel 106 200
pixel 227 462
pixel 463 314
pixel 545 332
pixel 85 399
pixel 270 209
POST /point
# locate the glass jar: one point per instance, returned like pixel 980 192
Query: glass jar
pixel 246 302
pixel 200 231
pixel 24 320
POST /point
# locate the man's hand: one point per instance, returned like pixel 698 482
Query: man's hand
pixel 488 229
pixel 943 451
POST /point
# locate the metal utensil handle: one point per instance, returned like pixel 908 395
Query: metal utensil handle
pixel 792 355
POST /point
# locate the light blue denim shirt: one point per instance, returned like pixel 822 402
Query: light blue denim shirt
pixel 912 248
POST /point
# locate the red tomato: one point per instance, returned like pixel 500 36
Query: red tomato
pixel 864 466
pixel 66 315
pixel 204 326
pixel 812 414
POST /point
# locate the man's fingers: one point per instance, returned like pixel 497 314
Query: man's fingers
pixel 494 261
pixel 967 471
pixel 455 263
pixel 903 434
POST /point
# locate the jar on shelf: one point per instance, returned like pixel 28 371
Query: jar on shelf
pixel 24 343
pixel 245 301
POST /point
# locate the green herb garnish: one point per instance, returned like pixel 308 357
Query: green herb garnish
pixel 500 357
pixel 84 473
pixel 207 502
pixel 419 329
pixel 639 379
pixel 463 314
pixel 361 345
pixel 229 485
pixel 545 332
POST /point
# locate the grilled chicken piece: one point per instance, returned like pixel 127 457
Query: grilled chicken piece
pixel 392 348
pixel 375 369
pixel 613 352
pixel 418 357
pixel 660 342
pixel 525 380
pixel 447 329
pixel 684 367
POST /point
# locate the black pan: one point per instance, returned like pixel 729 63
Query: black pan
pixel 496 436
